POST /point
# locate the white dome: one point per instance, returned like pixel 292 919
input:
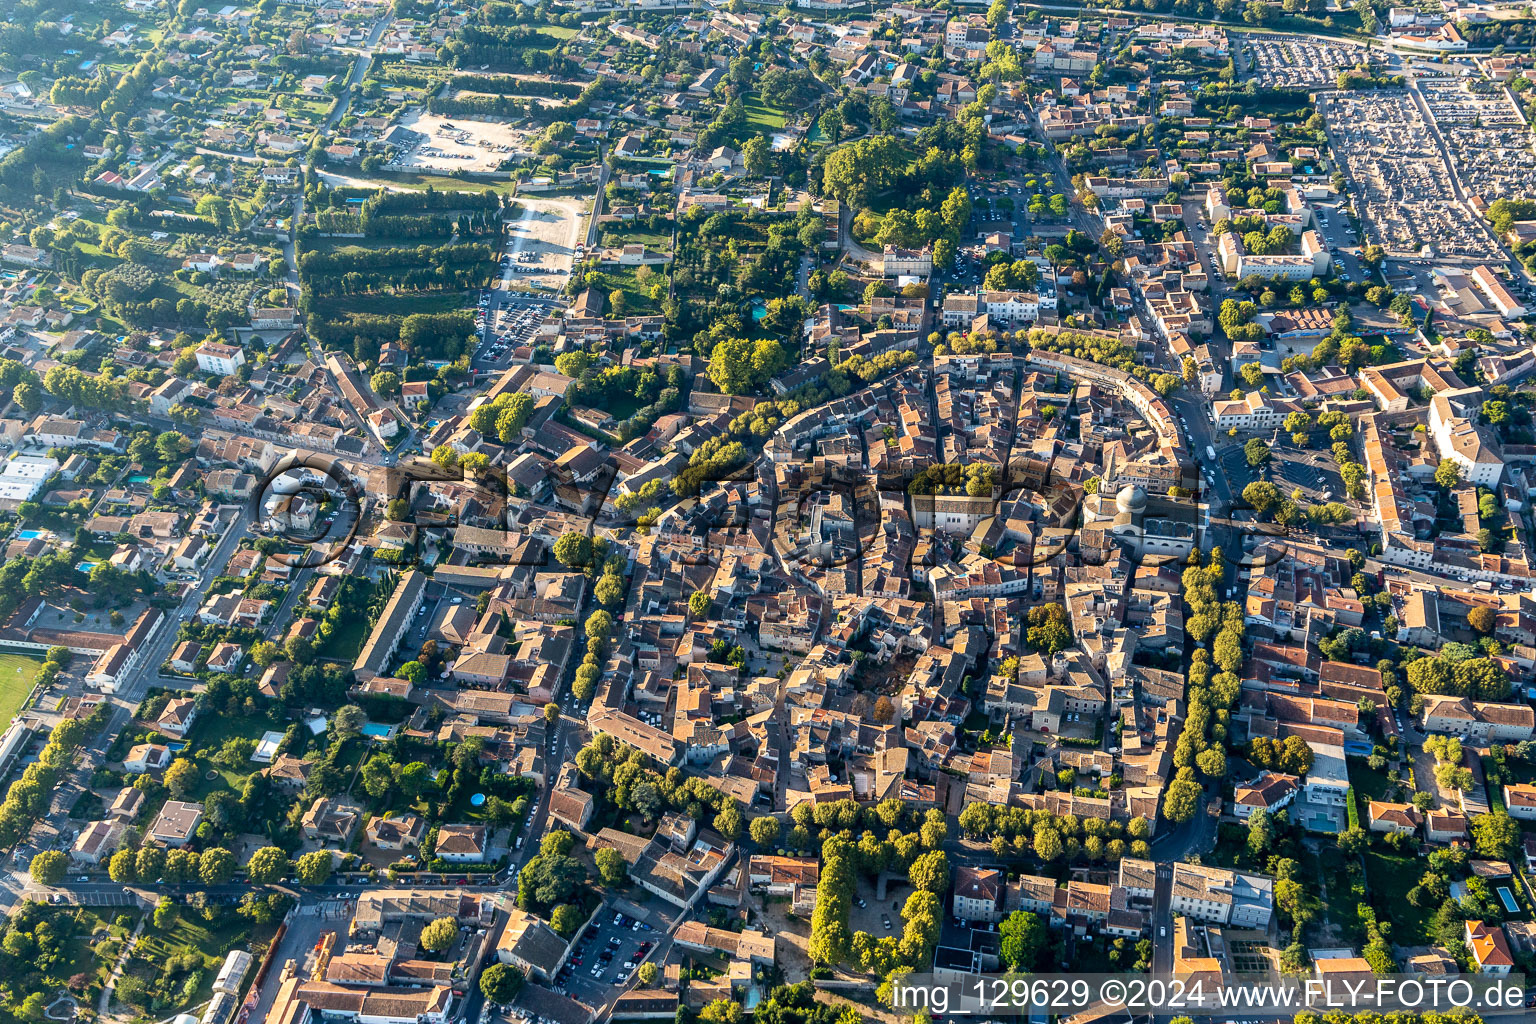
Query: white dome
pixel 1131 499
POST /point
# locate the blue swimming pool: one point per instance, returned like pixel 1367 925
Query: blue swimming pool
pixel 30 534
pixel 86 566
pixel 1508 899
pixel 378 731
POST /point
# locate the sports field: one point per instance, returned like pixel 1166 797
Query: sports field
pixel 17 671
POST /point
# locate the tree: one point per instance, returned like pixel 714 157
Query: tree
pixel 756 155
pixel 739 365
pixel 1256 451
pixel 165 913
pixel 1447 474
pixel 348 721
pixel 35 1006
pixel 1212 762
pixel 648 973
pixel 180 777
pixel 1483 619
pixel 551 713
pixel 611 866
pixel 1261 832
pixel 1295 757
pixel 267 865
pixel 729 822
pixel 765 830
pixel 314 867
pixel 573 363
pixel 698 603
pixel 1049 629
pixel 1262 495
pixel 565 919
pixel 574 550
pixel 48 867
pixel 930 872
pixel 1023 936
pixel 439 934
pixel 385 382
pixel 123 867
pixel 300 650
pixel 28 396
pixel 599 625
pixel 1047 844
pixel 1181 800
pixel 721 1011
pixel 172 446
pixel 609 590
pixel 264 653
pixel 500 983
pixel 216 865
pixel 1495 835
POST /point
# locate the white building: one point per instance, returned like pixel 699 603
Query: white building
pixel 24 477
pixel 223 360
pixel 1218 894
pixel 918 262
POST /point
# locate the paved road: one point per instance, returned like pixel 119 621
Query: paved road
pixel 50 833
pixel 597 200
pixel 359 72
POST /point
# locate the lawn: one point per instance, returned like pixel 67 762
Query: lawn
pixel 760 115
pixel 210 734
pixel 192 934
pixel 396 305
pixel 347 639
pixel 1337 893
pixel 1231 846
pixel 446 183
pixel 654 240
pixel 17 672
pixel 1369 784
pixel 560 32
pixel 1388 877
pixel 637 298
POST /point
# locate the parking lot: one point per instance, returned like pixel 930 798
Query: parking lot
pixel 609 953
pixel 504 326
pixel 1295 62
pixel 544 242
pixel 434 143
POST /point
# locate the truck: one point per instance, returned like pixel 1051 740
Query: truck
pixel 1210 453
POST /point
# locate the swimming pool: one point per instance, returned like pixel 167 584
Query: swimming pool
pixel 86 566
pixel 30 534
pixel 378 731
pixel 1508 899
pixel 1321 822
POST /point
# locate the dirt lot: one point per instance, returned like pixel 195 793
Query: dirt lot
pixel 456 145
pixel 542 241
pixel 792 935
